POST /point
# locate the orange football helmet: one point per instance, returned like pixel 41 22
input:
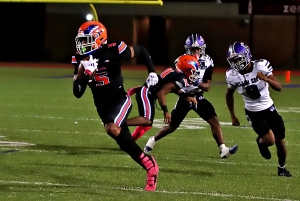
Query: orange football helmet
pixel 188 65
pixel 91 35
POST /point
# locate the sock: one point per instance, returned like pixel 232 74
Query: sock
pixel 147 161
pixel 127 144
pixel 283 167
pixel 140 131
pixel 222 146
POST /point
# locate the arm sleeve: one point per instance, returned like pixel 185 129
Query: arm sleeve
pixel 208 74
pixel 143 54
pixel 126 54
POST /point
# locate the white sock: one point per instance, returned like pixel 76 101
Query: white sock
pixel 222 146
pixel 151 142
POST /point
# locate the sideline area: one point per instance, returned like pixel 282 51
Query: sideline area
pixel 133 67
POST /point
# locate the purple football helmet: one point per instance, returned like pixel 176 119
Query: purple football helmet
pixel 195 41
pixel 239 56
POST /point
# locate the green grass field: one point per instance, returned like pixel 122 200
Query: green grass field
pixel 65 160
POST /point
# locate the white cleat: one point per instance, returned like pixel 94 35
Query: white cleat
pixel 149 146
pixel 228 151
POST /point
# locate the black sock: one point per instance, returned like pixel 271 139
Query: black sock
pixel 127 144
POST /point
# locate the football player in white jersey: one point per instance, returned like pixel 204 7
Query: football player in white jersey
pixel 252 78
pixel 195 46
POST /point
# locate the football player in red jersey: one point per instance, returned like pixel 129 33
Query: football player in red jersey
pixel 146 96
pixel 100 60
pixel 195 46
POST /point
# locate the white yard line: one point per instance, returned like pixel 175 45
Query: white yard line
pixel 14 144
pixel 45 106
pixel 212 194
pixel 50 117
pixel 223 161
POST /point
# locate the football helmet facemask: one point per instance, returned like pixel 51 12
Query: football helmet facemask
pixel 239 56
pixel 91 35
pixel 195 45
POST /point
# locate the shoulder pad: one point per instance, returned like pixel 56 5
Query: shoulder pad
pixel 113 43
pixel 117 44
pixel 230 74
pixel 208 61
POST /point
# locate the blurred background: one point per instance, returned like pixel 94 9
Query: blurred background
pixel 45 32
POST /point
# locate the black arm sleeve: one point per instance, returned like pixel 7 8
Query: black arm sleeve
pixel 208 74
pixel 143 54
pixel 126 55
pixel 79 86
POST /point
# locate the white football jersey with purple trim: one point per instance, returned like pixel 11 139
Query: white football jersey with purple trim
pixel 238 81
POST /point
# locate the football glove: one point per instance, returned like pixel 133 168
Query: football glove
pixel 152 79
pixel 89 65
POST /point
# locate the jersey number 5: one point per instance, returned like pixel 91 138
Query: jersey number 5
pixel 101 78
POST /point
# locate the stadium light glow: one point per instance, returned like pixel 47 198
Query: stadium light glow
pixel 89 17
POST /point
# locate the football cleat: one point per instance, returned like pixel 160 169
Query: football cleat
pixel 283 172
pixel 263 149
pixel 149 146
pixel 228 151
pixel 152 175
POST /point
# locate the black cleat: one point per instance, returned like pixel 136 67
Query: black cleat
pixel 283 172
pixel 264 150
